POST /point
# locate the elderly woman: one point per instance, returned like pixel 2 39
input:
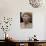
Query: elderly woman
pixel 27 20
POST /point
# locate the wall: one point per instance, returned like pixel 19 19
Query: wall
pixel 45 26
pixel 12 8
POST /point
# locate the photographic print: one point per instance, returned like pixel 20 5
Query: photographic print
pixel 26 19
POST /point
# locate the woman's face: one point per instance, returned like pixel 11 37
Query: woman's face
pixel 26 18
